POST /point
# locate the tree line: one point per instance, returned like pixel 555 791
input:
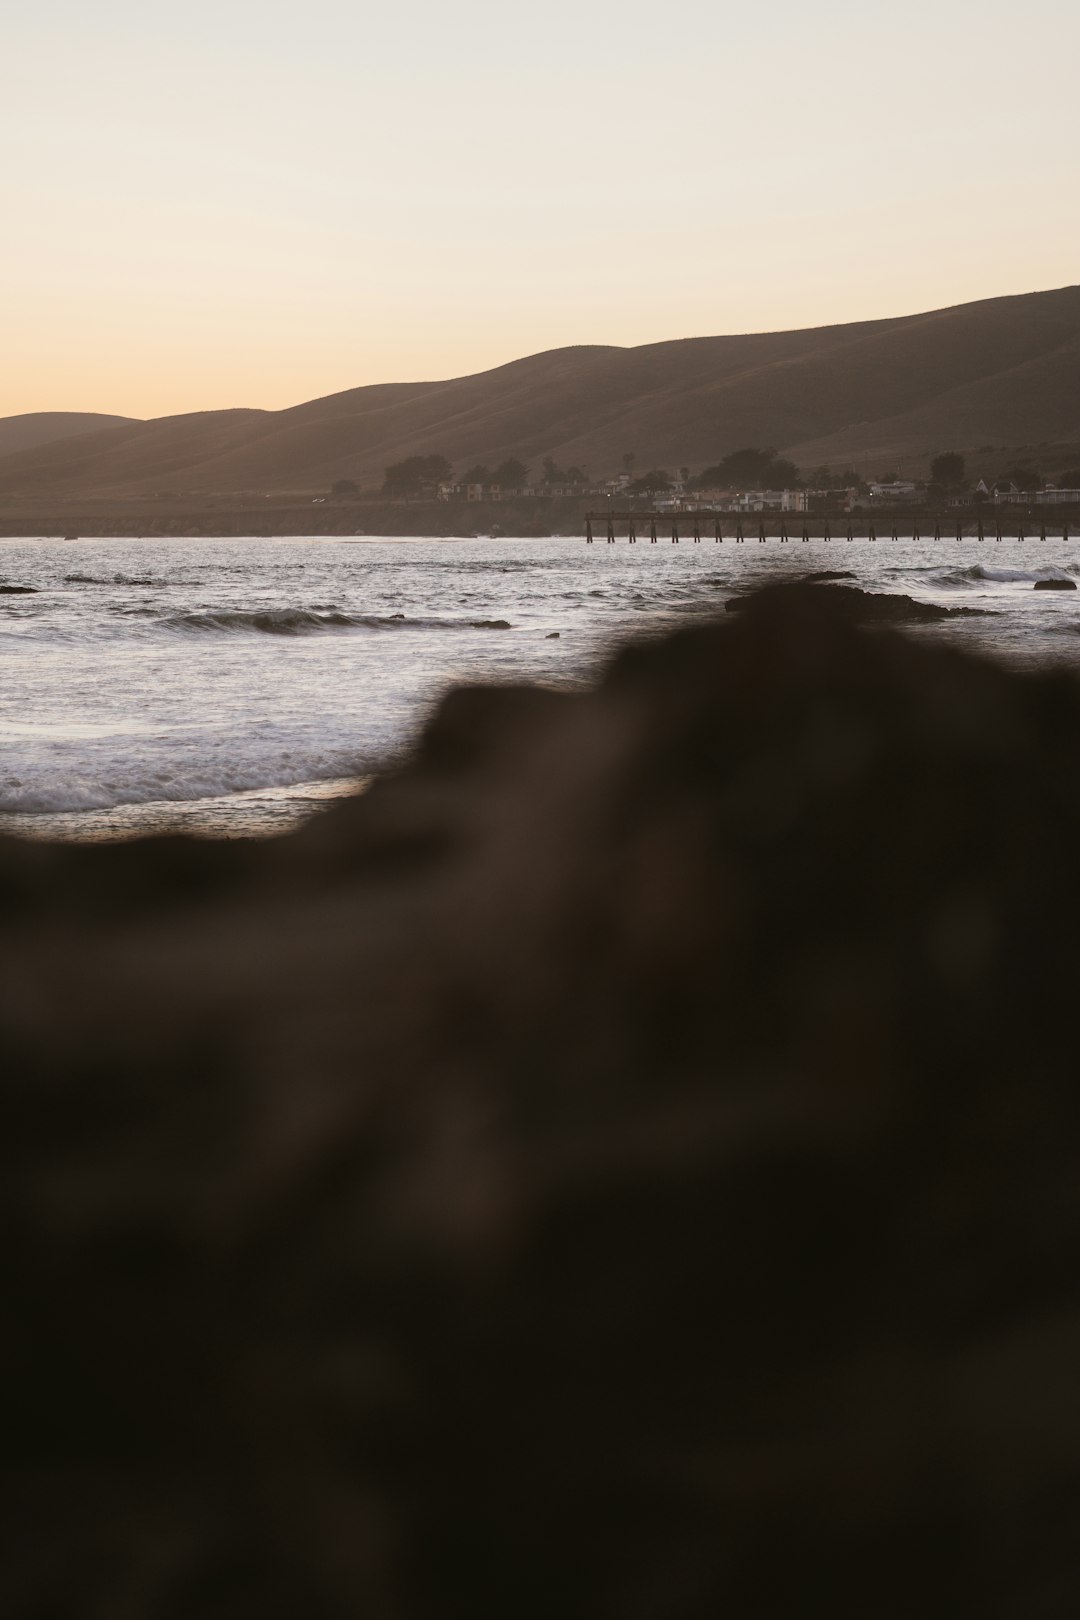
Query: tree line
pixel 417 474
pixel 747 469
pixel 949 472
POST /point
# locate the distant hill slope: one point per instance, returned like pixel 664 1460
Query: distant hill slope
pixel 43 427
pixel 1005 371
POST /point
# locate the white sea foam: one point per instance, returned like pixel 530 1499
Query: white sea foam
pixel 979 573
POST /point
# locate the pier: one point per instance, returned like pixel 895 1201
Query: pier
pixel 719 528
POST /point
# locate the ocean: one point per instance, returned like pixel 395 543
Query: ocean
pixel 234 687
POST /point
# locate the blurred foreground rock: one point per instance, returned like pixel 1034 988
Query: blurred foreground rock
pixel 625 1165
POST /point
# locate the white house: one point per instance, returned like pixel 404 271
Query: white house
pixel 898 492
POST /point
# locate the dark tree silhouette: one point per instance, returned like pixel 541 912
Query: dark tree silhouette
pixel 751 469
pixel 1024 476
pixel 409 477
pixel 651 483
pixel 948 468
pixel 511 473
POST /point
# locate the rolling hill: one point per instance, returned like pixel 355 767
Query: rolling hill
pixel 1002 372
pixel 35 428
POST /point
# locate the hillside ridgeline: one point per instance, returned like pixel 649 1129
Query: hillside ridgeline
pixel 1003 373
pixel 36 428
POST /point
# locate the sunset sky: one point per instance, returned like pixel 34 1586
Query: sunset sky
pixel 253 202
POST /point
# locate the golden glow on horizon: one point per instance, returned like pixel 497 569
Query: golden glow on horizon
pixel 255 205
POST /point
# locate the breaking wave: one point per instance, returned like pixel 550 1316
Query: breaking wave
pixel 116 579
pixel 133 781
pixel 306 621
pixel 979 573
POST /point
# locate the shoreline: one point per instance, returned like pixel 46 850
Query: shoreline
pixel 560 518
pixel 267 812
pixel 242 518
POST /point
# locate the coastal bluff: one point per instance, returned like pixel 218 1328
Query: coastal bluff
pixel 623 1164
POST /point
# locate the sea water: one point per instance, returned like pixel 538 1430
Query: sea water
pixel 232 687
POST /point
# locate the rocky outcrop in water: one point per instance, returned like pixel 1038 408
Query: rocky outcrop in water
pixel 818 594
pixel 610 1169
pixel 1055 584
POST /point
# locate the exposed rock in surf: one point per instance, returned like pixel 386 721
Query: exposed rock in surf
pixel 18 590
pixel 610 1169
pixel 848 603
pixel 553 635
pixel 1055 584
pixel 305 621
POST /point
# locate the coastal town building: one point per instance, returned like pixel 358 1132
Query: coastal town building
pixel 1039 497
pixel 735 501
pixel 770 500
pixel 899 492
pixel 832 500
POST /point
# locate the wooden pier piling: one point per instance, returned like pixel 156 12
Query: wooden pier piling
pixel 986 526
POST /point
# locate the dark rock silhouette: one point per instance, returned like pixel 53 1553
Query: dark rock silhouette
pixel 625 1164
pixel 816 593
pixel 1055 584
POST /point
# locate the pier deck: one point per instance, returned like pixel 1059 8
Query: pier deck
pixel 719 527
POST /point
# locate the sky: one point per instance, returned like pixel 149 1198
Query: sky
pixel 253 202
